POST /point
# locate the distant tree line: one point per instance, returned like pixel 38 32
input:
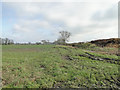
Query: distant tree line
pixel 63 38
pixel 6 41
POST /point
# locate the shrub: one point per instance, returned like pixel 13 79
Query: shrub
pixel 85 45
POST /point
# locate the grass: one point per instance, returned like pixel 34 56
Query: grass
pixel 54 66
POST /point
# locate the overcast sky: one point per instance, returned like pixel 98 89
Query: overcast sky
pixel 35 21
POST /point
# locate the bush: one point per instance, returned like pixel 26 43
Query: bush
pixel 92 46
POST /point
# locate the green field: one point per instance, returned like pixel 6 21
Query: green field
pixel 55 66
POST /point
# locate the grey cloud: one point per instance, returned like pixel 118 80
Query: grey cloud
pixel 109 14
pixel 61 18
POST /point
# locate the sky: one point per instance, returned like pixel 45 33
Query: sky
pixel 36 21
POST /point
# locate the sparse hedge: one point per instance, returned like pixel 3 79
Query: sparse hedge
pixel 84 45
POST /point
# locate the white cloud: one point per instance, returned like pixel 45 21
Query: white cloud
pixel 113 1
pixel 84 20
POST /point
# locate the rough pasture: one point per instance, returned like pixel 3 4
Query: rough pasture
pixel 52 66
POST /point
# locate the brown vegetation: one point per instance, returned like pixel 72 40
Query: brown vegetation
pixel 113 42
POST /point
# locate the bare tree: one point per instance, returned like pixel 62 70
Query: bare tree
pixel 12 42
pixel 45 42
pixel 3 41
pixel 38 43
pixel 64 36
pixel 6 41
pixel 29 43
